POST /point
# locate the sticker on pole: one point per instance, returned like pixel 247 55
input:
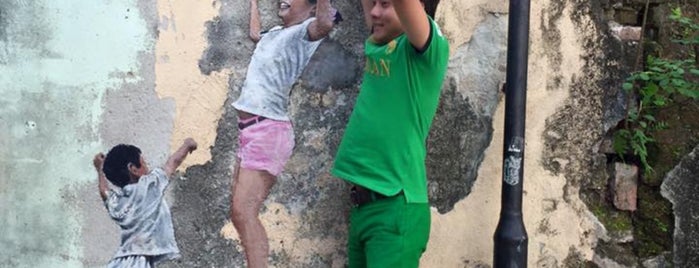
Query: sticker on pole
pixel 513 163
pixel 516 145
pixel 512 166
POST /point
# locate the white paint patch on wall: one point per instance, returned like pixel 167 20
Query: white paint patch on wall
pixel 57 63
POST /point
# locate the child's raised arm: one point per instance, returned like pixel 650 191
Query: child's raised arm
pixel 254 21
pixel 176 158
pixel 102 185
pixel 325 15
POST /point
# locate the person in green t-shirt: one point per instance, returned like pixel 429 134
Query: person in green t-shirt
pixel 382 153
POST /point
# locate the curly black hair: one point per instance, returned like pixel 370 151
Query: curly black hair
pixel 116 164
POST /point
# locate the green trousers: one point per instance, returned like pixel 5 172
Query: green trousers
pixel 388 233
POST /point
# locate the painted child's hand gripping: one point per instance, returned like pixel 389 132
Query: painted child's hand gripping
pixel 175 160
pixel 102 184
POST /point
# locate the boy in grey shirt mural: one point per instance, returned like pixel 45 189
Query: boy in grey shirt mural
pixel 265 137
pixel 137 204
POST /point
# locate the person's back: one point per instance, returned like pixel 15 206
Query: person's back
pixel 137 204
pixel 144 218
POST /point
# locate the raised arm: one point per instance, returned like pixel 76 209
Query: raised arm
pixel 254 21
pixel 414 20
pixel 178 156
pixel 325 14
pixel 102 184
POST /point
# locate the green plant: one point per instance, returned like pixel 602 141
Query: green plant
pixel 688 26
pixel 659 85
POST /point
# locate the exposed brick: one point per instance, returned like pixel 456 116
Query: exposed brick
pixel 626 33
pixel 625 186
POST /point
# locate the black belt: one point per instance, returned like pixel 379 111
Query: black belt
pixel 255 120
pixel 361 196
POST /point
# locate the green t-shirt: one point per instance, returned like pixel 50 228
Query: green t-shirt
pixel 383 148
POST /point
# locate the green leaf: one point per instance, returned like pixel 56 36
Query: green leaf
pixel 659 102
pixel 650 89
pixel 627 86
pixel 655 69
pixel 676 12
pixel 620 142
pixel 694 94
pixel 678 82
pixel 644 76
pixel 649 117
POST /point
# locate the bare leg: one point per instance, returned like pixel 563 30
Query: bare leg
pixel 249 192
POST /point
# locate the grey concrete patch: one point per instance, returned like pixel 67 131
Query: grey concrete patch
pixel 133 114
pixel 462 128
pixel 680 186
pixel 228 43
pixel 100 235
pixel 331 66
pixel 552 42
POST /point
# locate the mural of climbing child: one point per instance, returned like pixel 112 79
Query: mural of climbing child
pixel 265 133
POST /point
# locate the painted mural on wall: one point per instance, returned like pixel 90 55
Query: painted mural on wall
pixel 78 78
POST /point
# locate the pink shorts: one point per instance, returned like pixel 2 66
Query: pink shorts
pixel 266 145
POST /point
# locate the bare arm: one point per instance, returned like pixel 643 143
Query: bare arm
pixel 102 185
pixel 319 28
pixel 178 156
pixel 414 20
pixel 254 21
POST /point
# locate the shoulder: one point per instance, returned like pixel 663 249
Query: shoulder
pixel 154 177
pixel 436 52
pixel 436 39
pixel 304 24
pixel 302 29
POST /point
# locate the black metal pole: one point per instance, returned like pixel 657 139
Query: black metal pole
pixel 510 247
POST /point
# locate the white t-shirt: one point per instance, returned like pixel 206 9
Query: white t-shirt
pixel 144 218
pixel 278 60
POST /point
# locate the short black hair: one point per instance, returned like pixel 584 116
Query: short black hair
pixel 313 2
pixel 116 164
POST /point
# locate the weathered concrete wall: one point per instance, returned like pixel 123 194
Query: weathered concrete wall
pixel 78 78
pixel 64 70
pixel 680 187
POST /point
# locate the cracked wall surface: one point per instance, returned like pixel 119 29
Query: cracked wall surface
pixel 79 78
